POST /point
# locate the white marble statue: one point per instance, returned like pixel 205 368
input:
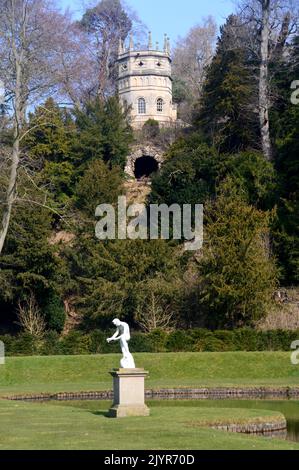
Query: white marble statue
pixel 122 335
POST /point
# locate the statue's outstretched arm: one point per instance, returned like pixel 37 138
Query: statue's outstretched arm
pixel 115 337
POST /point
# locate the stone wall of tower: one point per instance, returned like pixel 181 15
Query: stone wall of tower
pixel 146 75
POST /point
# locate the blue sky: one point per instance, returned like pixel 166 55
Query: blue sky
pixel 174 17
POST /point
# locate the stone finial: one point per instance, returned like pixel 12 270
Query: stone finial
pixel 157 46
pixel 165 42
pixel 131 47
pixel 150 41
pixel 120 47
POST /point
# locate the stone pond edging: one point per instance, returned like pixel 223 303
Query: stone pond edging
pixel 218 393
pixel 203 393
pixel 268 427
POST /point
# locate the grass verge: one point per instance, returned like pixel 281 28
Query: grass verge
pixel 84 425
pixel 83 373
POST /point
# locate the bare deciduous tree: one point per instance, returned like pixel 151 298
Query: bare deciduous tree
pixel 30 317
pixel 272 21
pixel 28 68
pixel 264 80
pixel 76 74
pixel 191 57
pixel 105 24
pixel 154 315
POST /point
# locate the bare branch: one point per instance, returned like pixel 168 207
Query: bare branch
pixel 30 317
pixel 154 315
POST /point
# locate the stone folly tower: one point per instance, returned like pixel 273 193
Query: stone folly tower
pixel 145 83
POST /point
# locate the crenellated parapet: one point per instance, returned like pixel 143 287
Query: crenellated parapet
pixel 145 82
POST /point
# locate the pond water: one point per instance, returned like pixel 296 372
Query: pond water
pixel 289 408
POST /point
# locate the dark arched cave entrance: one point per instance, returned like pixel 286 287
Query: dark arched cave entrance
pixel 145 166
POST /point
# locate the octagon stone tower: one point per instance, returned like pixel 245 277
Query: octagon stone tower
pixel 145 83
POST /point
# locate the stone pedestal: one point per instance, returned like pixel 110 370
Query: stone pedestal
pixel 128 387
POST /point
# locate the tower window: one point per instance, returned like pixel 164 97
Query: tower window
pixel 160 104
pixel 141 106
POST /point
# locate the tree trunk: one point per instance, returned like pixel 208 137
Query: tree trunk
pixel 264 81
pixel 11 191
pixel 18 118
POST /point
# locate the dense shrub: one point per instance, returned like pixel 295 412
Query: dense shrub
pixel 210 344
pixel 197 340
pixel 141 342
pixel 151 129
pixel 8 342
pixel 76 343
pixel 24 344
pixel 198 334
pixel 99 185
pixel 54 312
pixel 246 339
pixel 51 345
pixel 98 342
pixel 179 340
pixel 158 340
pixel 238 277
pixel 227 338
pixel 276 340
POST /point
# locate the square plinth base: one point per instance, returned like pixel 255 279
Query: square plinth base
pixel 128 390
pixel 126 411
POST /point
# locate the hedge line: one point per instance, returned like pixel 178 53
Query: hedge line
pixel 196 340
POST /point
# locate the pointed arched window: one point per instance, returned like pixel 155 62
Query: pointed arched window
pixel 141 106
pixel 160 104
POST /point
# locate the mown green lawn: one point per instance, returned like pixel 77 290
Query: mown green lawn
pixel 83 425
pixel 82 373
